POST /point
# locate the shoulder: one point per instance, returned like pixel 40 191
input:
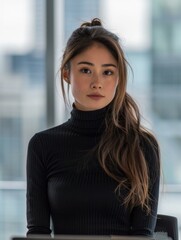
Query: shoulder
pixel 46 136
pixel 151 150
pixel 149 144
pixel 52 131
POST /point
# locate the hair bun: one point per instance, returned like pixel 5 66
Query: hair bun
pixel 94 22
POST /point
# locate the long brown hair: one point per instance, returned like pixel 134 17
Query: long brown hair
pixel 120 146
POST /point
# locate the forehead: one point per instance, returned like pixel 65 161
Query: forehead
pixel 97 52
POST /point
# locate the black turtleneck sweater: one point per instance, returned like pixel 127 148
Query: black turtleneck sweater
pixel 66 183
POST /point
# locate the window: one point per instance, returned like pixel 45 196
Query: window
pixel 22 103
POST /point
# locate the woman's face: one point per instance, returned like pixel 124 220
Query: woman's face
pixel 93 78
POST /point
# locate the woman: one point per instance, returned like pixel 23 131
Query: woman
pixel 98 173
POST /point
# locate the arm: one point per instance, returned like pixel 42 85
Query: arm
pixel 38 213
pixel 143 223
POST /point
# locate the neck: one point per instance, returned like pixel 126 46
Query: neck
pixel 89 122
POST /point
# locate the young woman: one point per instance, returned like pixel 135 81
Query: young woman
pixel 98 173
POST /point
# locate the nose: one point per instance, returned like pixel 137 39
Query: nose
pixel 96 83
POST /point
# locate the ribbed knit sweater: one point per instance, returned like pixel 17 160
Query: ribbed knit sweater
pixel 65 183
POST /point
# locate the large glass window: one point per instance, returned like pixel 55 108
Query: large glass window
pixel 166 98
pixel 22 102
pixel 166 84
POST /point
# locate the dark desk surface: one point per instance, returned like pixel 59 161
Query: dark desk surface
pixel 83 237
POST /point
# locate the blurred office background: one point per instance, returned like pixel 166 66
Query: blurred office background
pixel 32 38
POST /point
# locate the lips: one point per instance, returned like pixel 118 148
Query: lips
pixel 95 96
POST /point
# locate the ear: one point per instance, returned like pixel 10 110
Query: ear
pixel 66 75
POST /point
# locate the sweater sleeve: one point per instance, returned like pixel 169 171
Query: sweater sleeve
pixel 142 222
pixel 38 212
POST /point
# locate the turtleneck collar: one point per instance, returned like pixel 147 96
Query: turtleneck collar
pixel 88 122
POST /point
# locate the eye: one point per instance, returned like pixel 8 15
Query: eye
pixel 108 72
pixel 85 70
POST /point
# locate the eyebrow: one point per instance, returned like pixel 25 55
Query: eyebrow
pixel 103 65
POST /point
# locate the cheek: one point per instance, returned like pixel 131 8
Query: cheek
pixel 113 86
pixel 77 87
pixel 116 83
